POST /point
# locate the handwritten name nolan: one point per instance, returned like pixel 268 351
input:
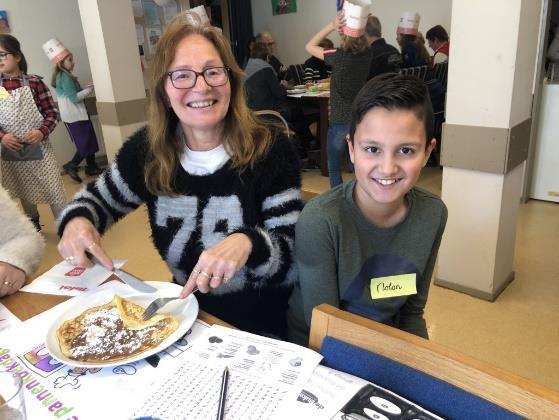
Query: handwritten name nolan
pixel 388 287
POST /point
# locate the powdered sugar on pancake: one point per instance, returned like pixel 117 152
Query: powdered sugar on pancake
pixel 104 337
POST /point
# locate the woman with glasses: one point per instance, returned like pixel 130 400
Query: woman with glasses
pixel 222 189
pixel 27 117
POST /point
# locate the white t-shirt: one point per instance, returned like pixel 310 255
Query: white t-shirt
pixel 203 163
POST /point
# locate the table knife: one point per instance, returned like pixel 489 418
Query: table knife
pixel 134 283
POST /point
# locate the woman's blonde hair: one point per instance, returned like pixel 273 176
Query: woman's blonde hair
pixel 354 45
pixel 245 138
pixel 59 68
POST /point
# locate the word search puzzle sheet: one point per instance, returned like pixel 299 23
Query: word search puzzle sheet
pixel 264 375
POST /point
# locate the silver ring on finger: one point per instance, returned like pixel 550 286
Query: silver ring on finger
pixel 90 246
pixel 196 271
pixel 70 258
pixel 225 279
pixel 205 274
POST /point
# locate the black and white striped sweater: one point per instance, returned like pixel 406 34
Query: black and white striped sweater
pixel 263 202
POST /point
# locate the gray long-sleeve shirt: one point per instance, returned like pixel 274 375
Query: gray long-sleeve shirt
pixel 338 252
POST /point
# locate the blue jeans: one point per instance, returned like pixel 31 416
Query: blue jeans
pixel 337 146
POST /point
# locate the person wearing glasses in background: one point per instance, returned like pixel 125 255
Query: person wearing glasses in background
pixel 221 188
pixel 29 170
pixel 280 69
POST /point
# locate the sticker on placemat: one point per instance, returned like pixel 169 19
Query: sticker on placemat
pixel 393 286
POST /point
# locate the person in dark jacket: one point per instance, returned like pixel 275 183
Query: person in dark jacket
pixel 263 89
pixel 282 71
pixel 386 58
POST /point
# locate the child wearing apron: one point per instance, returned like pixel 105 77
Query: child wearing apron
pixel 27 117
pixel 72 109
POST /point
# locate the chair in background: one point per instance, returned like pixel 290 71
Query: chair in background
pixel 441 380
pixel 419 71
pixel 440 71
pixel 297 74
pixel 271 115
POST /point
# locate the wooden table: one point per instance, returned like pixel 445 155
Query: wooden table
pixel 322 100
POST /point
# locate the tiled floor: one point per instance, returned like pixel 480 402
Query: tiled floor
pixel 519 332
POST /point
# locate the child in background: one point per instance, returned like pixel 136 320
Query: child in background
pixel 72 110
pixel 350 69
pixel 369 246
pixel 27 117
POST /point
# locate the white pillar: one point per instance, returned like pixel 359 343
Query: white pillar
pixel 485 141
pixel 112 48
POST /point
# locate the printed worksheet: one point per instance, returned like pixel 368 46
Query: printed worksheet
pixel 265 374
pixel 324 394
pixel 53 389
pixel 7 319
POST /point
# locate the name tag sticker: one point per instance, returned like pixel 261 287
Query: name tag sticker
pixel 4 93
pixel 393 286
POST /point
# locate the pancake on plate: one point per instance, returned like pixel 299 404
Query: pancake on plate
pixel 113 331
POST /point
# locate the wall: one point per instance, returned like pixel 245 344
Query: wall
pixel 292 31
pixel 33 23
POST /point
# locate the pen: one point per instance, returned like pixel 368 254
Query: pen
pixel 223 394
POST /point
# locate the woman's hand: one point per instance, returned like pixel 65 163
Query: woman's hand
pixel 218 264
pixel 11 142
pixel 80 236
pixel 34 136
pixel 11 279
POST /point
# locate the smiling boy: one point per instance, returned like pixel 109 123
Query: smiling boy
pixel 369 246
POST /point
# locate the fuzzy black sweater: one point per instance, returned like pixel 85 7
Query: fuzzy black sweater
pixel 263 202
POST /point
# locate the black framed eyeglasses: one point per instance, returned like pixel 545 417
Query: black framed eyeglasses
pixel 186 79
pixel 3 55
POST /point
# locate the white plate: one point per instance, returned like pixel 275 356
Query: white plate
pixel 185 310
pixel 295 91
pixel 304 87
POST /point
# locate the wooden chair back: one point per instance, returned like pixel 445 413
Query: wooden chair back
pixel 440 71
pixel 266 113
pixel 498 386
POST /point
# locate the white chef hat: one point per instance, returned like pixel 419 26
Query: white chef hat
pixel 409 23
pixel 356 13
pixel 55 51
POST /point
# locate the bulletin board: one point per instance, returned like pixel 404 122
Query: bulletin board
pixel 150 20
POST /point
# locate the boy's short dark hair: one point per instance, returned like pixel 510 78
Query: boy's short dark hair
pixel 437 32
pixel 393 91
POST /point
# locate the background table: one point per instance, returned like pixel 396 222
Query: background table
pixel 321 99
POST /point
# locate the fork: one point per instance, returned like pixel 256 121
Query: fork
pixel 157 304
